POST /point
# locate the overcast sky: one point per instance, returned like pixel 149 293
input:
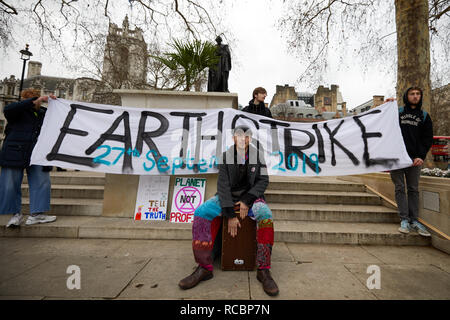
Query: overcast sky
pixel 260 58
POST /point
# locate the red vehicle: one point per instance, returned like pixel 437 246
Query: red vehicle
pixel 440 149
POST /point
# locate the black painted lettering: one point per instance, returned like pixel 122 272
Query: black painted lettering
pixel 54 153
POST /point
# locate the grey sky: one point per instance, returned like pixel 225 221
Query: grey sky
pixel 260 58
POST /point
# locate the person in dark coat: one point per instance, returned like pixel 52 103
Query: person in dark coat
pixel 24 119
pixel 417 132
pixel 242 182
pixel 256 105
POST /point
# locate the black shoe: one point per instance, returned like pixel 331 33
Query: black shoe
pixel 269 285
pixel 200 274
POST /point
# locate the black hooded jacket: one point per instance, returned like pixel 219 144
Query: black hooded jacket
pixel 258 109
pixel 416 127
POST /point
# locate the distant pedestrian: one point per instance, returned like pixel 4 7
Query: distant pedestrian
pixel 417 132
pixel 24 119
pixel 256 105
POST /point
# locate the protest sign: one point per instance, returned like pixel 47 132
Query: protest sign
pixel 152 197
pixel 188 195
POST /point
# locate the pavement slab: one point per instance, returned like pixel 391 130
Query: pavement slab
pixel 331 254
pixel 36 268
pixel 159 280
pixel 311 281
pixel 406 255
pixel 407 282
pixel 100 277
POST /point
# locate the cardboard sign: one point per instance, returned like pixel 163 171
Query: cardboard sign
pixel 152 197
pixel 188 195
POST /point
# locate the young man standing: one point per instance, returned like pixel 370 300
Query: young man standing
pixel 241 182
pixel 417 132
pixel 256 105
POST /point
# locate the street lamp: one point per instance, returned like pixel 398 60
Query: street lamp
pixel 25 56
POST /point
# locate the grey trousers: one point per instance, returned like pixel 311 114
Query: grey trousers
pixel 408 207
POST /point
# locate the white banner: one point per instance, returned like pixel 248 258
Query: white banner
pixel 112 139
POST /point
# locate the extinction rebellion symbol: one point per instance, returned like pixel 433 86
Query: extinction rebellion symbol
pixel 188 199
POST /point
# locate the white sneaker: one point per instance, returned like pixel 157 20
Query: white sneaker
pixel 40 218
pixel 15 220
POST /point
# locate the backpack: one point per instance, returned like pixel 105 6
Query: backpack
pixel 400 110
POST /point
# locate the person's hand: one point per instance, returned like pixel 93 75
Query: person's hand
pixel 37 103
pixel 390 99
pixel 233 224
pixel 243 209
pixel 417 162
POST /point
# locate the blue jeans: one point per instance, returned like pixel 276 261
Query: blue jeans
pixel 11 194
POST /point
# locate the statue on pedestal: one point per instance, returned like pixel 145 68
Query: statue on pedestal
pixel 218 77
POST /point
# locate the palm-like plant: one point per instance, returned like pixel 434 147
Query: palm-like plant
pixel 191 58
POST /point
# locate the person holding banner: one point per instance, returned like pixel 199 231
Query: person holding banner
pixel 242 181
pixel 25 119
pixel 256 105
pixel 417 132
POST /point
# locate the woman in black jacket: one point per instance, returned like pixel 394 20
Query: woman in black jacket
pixel 25 119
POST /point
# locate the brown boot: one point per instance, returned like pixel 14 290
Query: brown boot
pixel 200 274
pixel 269 285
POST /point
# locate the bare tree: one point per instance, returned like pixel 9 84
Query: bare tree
pixel 72 27
pixel 366 30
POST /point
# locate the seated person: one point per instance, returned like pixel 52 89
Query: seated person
pixel 242 183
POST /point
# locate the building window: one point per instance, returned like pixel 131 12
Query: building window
pixel 292 103
pixel 296 103
pixel 309 115
pixel 300 115
pixel 61 93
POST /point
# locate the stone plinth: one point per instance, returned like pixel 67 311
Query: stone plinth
pixel 163 99
pixel 120 189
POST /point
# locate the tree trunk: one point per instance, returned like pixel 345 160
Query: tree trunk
pixel 413 48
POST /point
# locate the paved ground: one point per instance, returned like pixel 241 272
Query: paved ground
pixel 36 268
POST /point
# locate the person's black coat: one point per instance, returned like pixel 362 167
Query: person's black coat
pixel 257 178
pixel 22 131
pixel 259 109
pixel 417 129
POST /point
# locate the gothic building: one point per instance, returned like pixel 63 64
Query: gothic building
pixel 124 66
pixel 125 57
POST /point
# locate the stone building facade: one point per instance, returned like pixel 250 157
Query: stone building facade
pixel 372 103
pixel 328 99
pixel 440 110
pixel 325 104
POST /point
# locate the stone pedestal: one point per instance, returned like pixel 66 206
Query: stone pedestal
pixel 120 189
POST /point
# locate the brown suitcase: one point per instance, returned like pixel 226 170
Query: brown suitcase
pixel 239 253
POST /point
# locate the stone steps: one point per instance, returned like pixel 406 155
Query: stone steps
pixel 326 197
pixel 306 210
pixel 71 191
pixel 70 207
pixel 74 193
pixel 74 178
pixel 313 184
pixel 333 212
pixel 285 231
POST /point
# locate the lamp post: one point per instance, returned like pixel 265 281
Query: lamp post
pixel 25 56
